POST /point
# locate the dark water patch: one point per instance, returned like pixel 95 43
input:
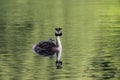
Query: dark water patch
pixel 105 67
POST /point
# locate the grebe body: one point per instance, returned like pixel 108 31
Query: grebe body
pixel 49 48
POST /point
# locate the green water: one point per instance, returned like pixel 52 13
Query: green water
pixel 91 39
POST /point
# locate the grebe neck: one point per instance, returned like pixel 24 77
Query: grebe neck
pixel 58 42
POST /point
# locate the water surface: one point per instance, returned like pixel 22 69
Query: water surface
pixel 90 40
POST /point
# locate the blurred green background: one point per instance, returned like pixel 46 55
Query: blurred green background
pixel 91 39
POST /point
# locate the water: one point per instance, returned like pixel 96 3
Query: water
pixel 90 40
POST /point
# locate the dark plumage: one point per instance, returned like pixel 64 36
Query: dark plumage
pixel 44 48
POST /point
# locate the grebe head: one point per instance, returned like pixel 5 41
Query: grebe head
pixel 58 32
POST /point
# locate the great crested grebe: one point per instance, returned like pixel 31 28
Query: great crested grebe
pixel 49 48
